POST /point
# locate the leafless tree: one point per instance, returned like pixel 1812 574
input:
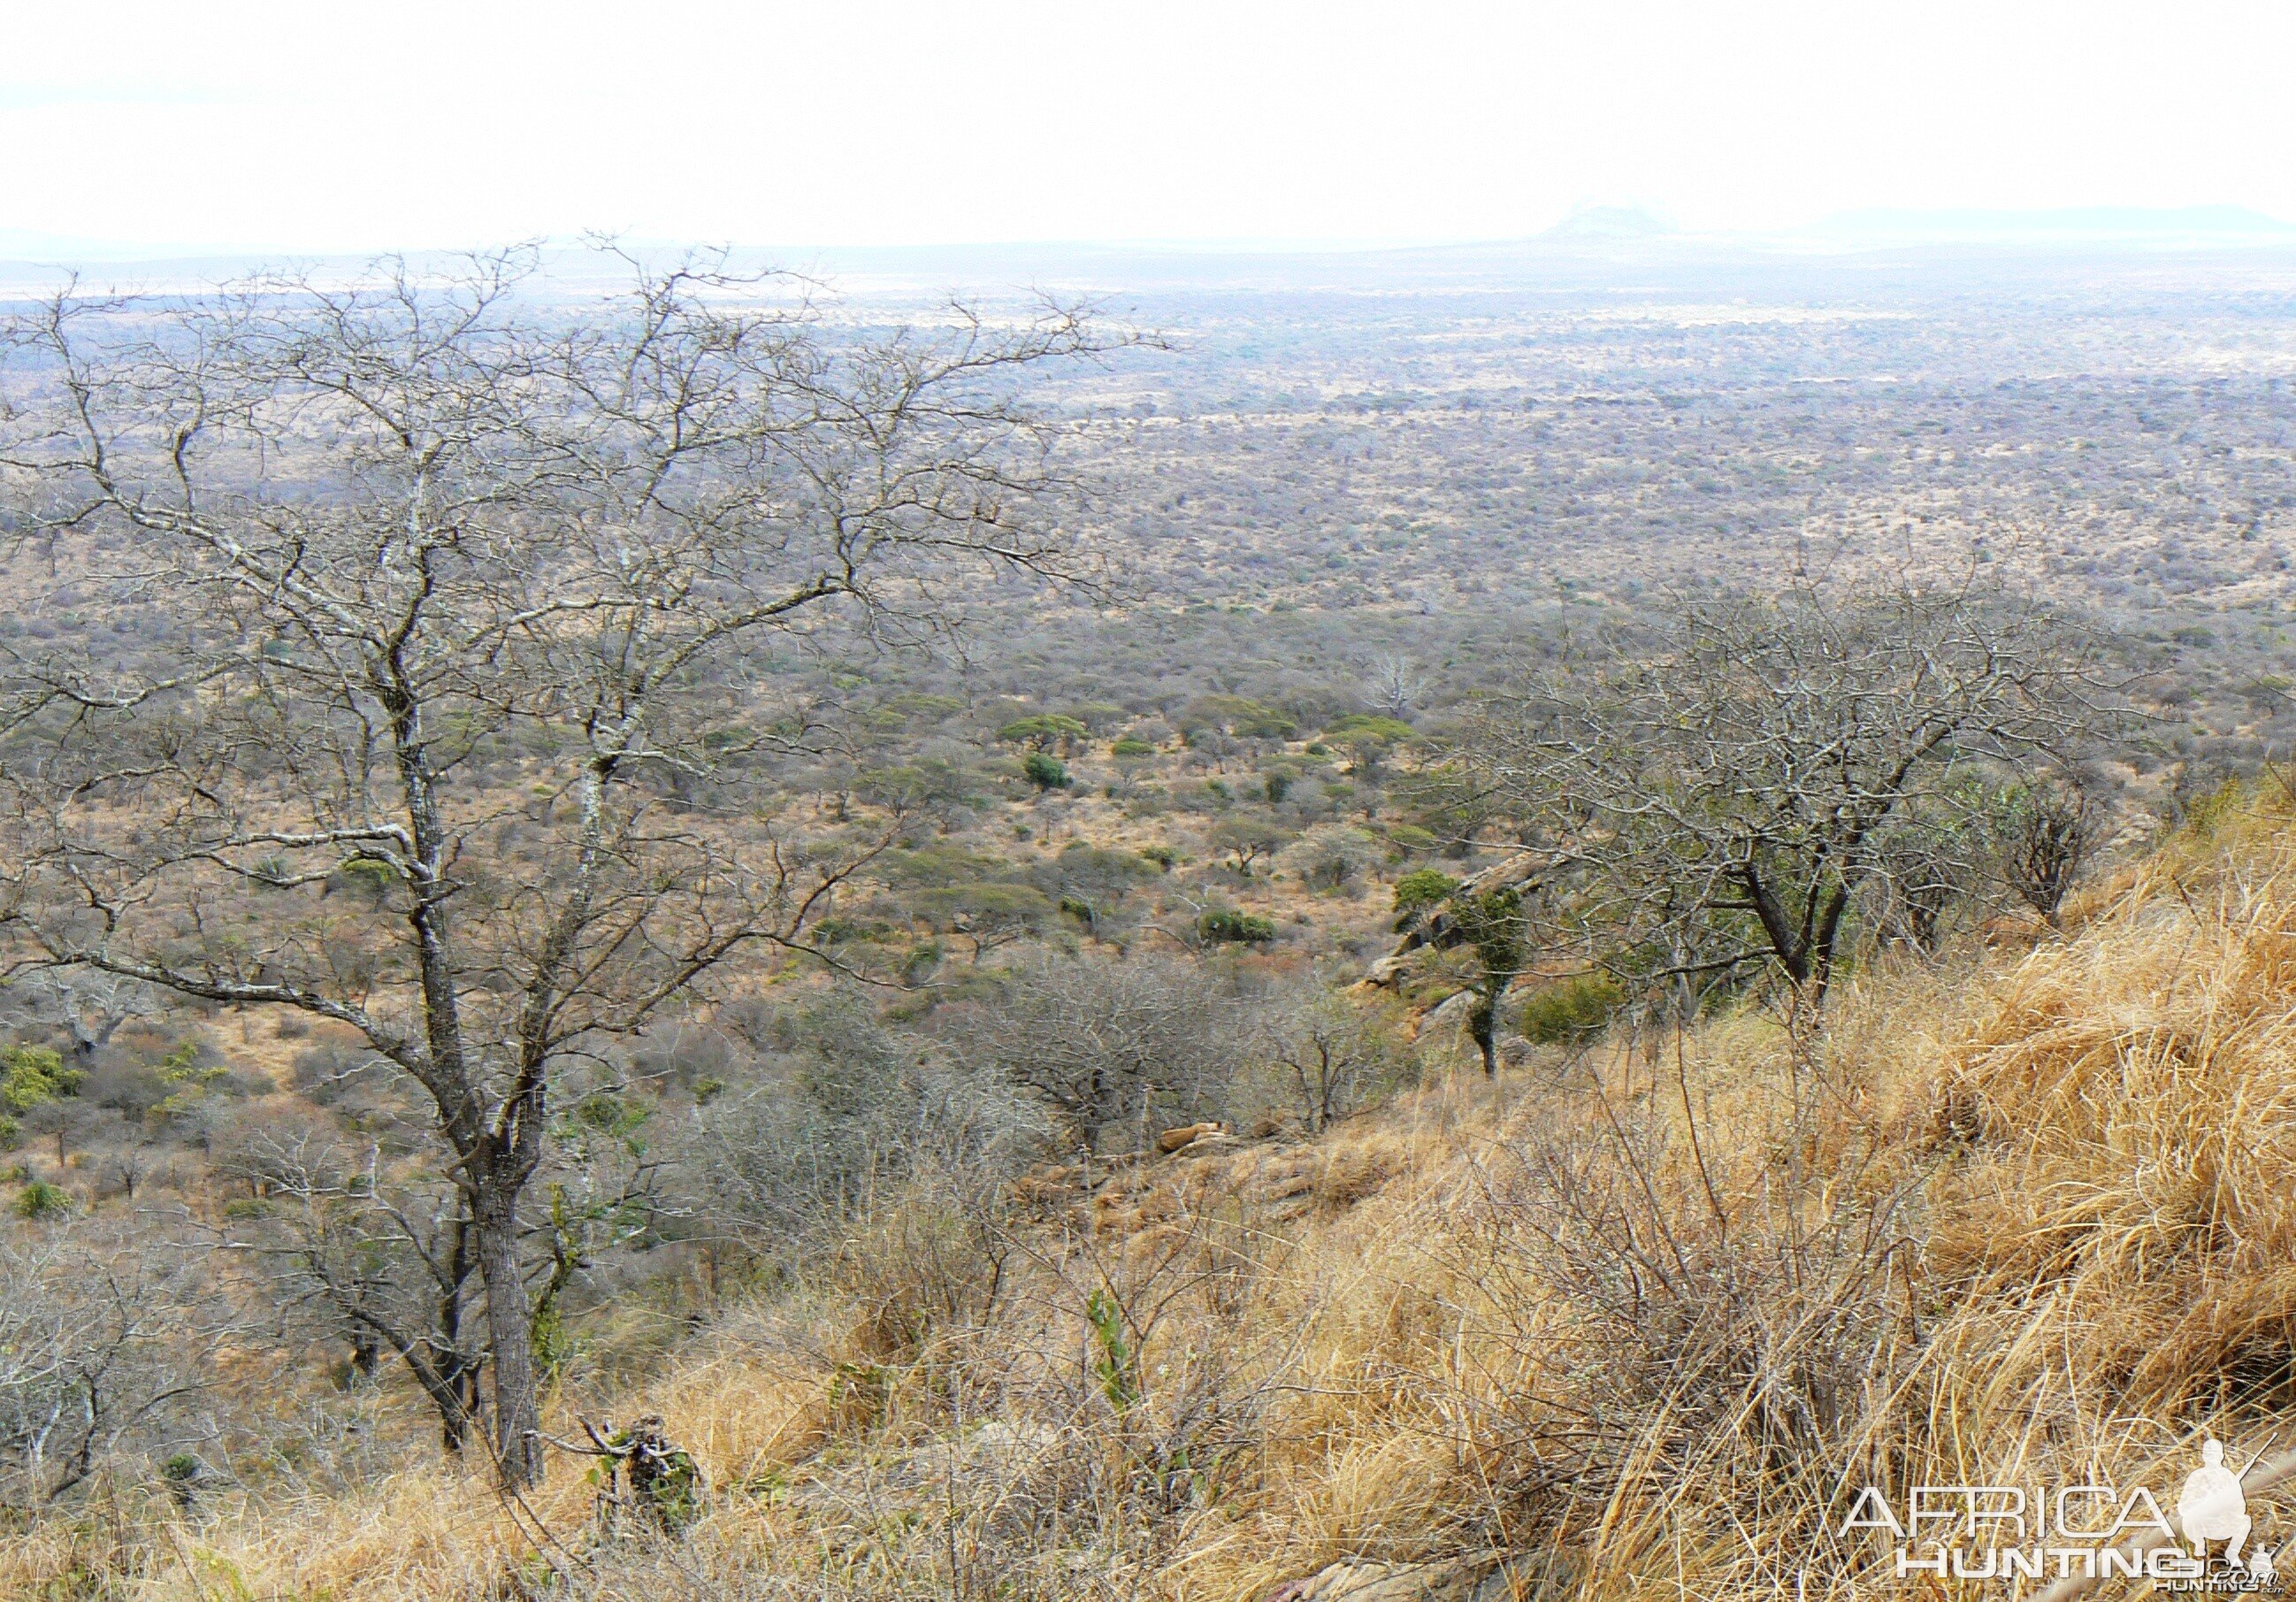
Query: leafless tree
pixel 1923 871
pixel 1333 1054
pixel 424 556
pixel 88 1005
pixel 1394 686
pixel 381 1263
pixel 2050 835
pixel 101 1337
pixel 1728 795
pixel 854 1110
pixel 1110 1042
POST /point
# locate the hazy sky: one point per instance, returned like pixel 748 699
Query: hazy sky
pixel 320 125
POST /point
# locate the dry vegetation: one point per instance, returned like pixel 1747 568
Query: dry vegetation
pixel 1129 1217
pixel 1637 1316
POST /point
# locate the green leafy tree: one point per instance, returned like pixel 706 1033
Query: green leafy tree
pixel 1367 739
pixel 1419 893
pixel 985 915
pixel 1237 716
pixel 1044 732
pixel 1492 924
pixel 32 1078
pixel 1247 841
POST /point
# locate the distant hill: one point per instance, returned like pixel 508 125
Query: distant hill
pixel 1609 223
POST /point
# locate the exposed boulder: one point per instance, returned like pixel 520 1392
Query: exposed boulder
pixel 1437 927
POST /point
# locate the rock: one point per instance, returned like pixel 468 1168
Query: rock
pixel 1521 870
pixel 1045 1184
pixel 1172 1140
pixel 1448 1018
pixel 1387 969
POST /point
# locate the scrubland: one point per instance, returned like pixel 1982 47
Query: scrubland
pixel 1638 1314
pixel 991 1143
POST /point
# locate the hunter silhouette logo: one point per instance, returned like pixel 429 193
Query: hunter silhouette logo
pixel 2078 1532
pixel 2214 1508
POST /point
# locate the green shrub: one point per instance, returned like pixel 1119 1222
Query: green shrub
pixel 1163 856
pixel 1366 728
pixel 1132 745
pixel 40 1199
pixel 1278 786
pixel 1118 1364
pixel 370 875
pixel 1419 890
pixel 1045 772
pixel 32 1074
pixel 1225 924
pixel 1570 1010
pixel 182 1068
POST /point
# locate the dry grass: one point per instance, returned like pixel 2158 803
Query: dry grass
pixel 1645 1313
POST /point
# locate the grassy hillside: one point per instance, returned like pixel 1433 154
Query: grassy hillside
pixel 1637 1316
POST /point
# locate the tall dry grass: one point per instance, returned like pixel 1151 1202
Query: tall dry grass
pixel 1646 1314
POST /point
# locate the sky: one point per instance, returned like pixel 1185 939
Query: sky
pixel 321 125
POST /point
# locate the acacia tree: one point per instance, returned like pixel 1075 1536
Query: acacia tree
pixel 1493 924
pixel 455 606
pixel 1724 798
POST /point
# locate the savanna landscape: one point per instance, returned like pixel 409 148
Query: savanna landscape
pixel 1443 924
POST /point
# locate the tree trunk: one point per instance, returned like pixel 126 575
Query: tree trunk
pixel 1827 937
pixel 518 1414
pixel 1483 1024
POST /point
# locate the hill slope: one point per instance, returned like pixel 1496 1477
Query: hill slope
pixel 1642 1319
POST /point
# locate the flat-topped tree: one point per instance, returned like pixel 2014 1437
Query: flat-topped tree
pixel 443 593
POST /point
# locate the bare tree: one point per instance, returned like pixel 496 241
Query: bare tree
pixel 2050 834
pixel 88 1005
pixel 1394 686
pixel 1333 1055
pixel 383 1264
pixel 1727 796
pixel 420 560
pixel 101 1337
pixel 1109 1042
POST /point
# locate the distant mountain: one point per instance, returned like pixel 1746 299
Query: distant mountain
pixel 1590 223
